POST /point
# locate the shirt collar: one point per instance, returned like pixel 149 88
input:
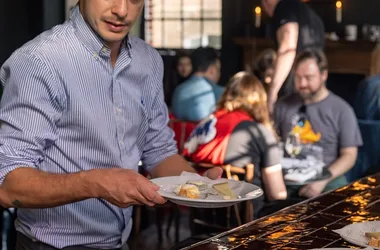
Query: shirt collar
pixel 89 37
pixel 203 77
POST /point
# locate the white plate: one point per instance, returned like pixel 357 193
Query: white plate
pixel 245 191
pixel 355 233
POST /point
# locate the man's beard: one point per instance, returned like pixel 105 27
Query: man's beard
pixel 313 94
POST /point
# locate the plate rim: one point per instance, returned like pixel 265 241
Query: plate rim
pixel 209 201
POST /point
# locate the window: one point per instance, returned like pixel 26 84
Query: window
pixel 183 23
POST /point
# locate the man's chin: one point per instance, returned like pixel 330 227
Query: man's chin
pixel 305 95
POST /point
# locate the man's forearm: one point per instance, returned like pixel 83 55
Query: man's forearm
pixel 31 188
pixel 172 166
pixel 343 164
pixel 284 65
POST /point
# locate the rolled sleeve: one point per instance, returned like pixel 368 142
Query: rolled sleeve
pixel 29 110
pixel 160 143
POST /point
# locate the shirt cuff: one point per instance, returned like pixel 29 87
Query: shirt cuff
pixel 6 169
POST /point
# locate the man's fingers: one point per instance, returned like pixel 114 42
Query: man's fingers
pixel 140 198
pixel 303 191
pixel 214 173
pixel 150 194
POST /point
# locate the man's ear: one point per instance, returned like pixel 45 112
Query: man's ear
pixel 211 69
pixel 325 75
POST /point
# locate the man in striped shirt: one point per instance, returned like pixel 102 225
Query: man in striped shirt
pixel 82 105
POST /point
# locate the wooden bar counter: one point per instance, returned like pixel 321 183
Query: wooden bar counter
pixel 344 57
pixel 308 224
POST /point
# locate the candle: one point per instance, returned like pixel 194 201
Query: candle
pixel 257 17
pixel 338 11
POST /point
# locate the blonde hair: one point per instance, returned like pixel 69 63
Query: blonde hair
pixel 245 92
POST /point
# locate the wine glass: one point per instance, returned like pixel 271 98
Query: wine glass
pixel 293 145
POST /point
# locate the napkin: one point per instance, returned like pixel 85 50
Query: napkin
pixel 300 175
pixel 355 233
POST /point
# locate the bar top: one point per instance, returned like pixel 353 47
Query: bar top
pixel 308 224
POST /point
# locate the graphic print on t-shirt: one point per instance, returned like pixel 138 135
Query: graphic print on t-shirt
pixel 306 133
pixel 203 134
pixel 302 140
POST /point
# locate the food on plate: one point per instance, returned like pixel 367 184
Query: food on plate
pixel 188 190
pixel 373 242
pixel 200 184
pixel 374 238
pixel 225 190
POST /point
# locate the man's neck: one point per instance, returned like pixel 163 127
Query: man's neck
pixel 204 75
pixel 115 50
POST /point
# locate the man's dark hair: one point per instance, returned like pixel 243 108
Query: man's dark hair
pixel 203 58
pixel 264 61
pixel 312 53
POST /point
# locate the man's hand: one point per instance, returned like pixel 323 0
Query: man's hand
pixel 124 188
pixel 313 189
pixel 214 173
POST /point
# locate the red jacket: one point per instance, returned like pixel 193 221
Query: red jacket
pixel 209 140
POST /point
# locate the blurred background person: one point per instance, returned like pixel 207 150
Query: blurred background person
pixel 295 27
pixel 263 67
pixel 324 123
pixel 196 98
pixel 179 72
pixel 240 133
pixel 183 67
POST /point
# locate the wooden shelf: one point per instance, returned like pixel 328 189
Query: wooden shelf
pixel 344 57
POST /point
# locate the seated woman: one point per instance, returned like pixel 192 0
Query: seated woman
pixel 239 133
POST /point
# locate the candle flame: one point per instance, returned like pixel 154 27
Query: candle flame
pixel 339 4
pixel 258 10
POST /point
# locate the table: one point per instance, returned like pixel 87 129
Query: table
pixel 307 224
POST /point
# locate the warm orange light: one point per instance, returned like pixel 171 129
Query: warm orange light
pixel 258 10
pixel 338 4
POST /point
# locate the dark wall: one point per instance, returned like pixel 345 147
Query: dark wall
pixel 22 20
pixel 53 13
pixel 2 30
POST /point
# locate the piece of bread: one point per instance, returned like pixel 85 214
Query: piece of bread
pixel 373 242
pixel 225 190
pixel 374 238
pixel 200 184
pixel 188 190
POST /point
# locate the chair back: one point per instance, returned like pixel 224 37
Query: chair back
pixel 182 130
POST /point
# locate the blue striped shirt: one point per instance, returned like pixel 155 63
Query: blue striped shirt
pixel 66 109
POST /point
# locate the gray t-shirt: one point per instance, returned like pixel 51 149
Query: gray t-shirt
pixel 329 124
pixel 252 142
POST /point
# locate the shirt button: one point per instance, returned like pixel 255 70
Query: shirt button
pixel 118 110
pixel 121 143
pixel 105 50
